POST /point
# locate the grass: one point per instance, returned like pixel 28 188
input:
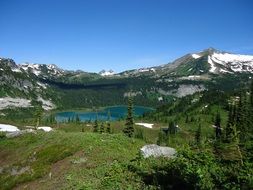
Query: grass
pixel 81 159
pixel 39 152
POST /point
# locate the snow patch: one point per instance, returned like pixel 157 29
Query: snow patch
pixel 224 71
pixel 35 68
pixel 45 128
pixel 196 56
pixel 42 85
pixel 160 98
pixel 107 73
pixel 213 68
pixel 8 128
pixel 193 76
pixel 147 125
pixel 146 70
pixel 226 57
pixel 17 70
pixel 132 94
pixel 235 62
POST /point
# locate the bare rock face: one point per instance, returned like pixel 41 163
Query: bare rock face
pixel 157 151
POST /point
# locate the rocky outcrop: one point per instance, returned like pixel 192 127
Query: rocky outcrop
pixel 157 151
pixel 183 90
pixel 8 102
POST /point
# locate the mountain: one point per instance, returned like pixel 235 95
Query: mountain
pixel 53 87
pixel 21 88
pixel 209 61
pixel 107 73
pixel 42 69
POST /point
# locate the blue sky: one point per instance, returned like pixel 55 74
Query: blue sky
pixel 121 34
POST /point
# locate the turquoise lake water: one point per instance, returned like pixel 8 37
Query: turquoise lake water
pixel 116 112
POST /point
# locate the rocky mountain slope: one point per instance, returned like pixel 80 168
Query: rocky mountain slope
pixel 209 61
pixel 53 87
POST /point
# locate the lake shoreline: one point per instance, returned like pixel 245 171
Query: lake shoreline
pixel 102 113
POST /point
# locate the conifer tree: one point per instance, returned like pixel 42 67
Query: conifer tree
pixel 162 138
pixel 102 128
pixel 231 133
pixel 52 119
pixel 242 118
pixel 187 119
pixel 172 128
pixel 108 127
pixel 217 124
pixel 95 127
pixel 108 115
pixel 129 128
pixel 198 135
pixel 251 109
pixel 77 119
pixel 38 114
pixel 251 94
pixel 108 124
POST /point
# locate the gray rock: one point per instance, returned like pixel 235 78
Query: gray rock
pixel 157 151
pixel 19 171
pixel 19 133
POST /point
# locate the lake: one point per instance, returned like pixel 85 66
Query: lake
pixel 115 112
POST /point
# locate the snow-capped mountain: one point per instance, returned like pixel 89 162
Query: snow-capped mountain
pixel 39 69
pixel 107 73
pixel 228 63
pixel 209 61
pixel 186 75
pixel 223 62
pixel 21 88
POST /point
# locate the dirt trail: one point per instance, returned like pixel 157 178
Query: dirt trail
pixel 55 178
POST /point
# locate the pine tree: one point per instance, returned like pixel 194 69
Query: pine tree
pixel 217 124
pixel 38 114
pixel 129 128
pixel 231 133
pixel 102 128
pixel 95 127
pixel 108 116
pixel 172 128
pixel 251 109
pixel 52 119
pixel 108 124
pixel 251 94
pixel 162 138
pixel 187 119
pixel 77 118
pixel 108 127
pixel 198 135
pixel 229 129
pixel 242 119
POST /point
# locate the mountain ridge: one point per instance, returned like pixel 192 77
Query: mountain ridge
pixel 220 58
pixel 53 87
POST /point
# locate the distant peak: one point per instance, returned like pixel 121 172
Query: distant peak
pixel 211 50
pixel 107 73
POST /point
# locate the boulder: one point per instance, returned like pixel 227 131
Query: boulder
pixel 157 151
pixel 19 133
